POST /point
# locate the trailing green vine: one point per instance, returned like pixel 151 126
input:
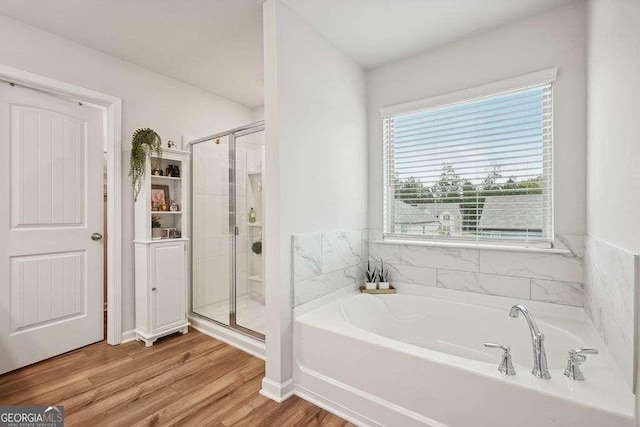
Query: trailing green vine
pixel 144 143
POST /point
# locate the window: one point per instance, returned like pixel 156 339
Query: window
pixel 484 160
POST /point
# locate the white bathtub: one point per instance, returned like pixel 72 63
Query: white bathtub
pixel 406 359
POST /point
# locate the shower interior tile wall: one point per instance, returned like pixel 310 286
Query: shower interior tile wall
pixel 327 262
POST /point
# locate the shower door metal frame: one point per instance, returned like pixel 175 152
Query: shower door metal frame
pixel 233 226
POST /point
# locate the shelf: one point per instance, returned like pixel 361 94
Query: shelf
pixel 255 224
pixel 171 151
pixel 176 239
pixel 255 278
pixel 165 178
pixel 165 213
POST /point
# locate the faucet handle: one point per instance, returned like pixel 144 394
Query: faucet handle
pixel 506 348
pixel 506 365
pixel 575 359
pixel 582 351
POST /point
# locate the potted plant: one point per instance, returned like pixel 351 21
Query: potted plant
pixel 383 276
pixel 144 143
pixel 156 228
pixel 370 277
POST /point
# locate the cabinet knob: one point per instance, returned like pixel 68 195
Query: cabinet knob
pixel 153 289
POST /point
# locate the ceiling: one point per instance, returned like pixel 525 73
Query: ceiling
pixel 216 45
pixel 374 32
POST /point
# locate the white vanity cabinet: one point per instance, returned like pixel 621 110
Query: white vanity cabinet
pixel 161 297
pixel 161 275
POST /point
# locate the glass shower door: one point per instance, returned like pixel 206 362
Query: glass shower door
pixel 227 240
pixel 248 309
pixel 212 239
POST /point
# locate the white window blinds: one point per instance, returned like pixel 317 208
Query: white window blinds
pixel 474 170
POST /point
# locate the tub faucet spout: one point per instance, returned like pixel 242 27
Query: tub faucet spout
pixel 540 369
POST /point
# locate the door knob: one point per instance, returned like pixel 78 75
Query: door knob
pixel 96 236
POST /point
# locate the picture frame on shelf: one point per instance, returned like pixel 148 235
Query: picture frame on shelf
pixel 160 195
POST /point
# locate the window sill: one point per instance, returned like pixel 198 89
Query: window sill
pixel 470 245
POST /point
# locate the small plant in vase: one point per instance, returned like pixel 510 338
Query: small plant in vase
pixel 156 228
pixel 370 277
pixel 383 276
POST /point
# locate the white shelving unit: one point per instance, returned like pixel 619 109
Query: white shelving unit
pixel 161 265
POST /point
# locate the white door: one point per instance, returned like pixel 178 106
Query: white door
pixel 51 290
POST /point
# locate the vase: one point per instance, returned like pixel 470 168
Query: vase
pixel 383 285
pixel 156 233
pixel 370 285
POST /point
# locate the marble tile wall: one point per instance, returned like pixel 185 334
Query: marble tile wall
pixel 547 277
pixel 326 262
pixel 610 281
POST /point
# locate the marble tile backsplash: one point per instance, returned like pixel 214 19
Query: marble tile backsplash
pixel 318 257
pixel 610 281
pixel 546 277
pixel 326 262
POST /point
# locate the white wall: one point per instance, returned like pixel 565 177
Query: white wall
pixel 552 39
pixel 613 150
pixel 315 108
pixel 613 156
pixel 150 100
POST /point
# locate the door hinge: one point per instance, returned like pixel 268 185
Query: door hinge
pixel 236 230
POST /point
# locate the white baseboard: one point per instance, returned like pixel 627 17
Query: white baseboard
pixel 247 344
pixel 128 336
pixel 326 392
pixel 276 391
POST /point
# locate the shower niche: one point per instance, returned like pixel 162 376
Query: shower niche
pixel 255 172
pixel 227 229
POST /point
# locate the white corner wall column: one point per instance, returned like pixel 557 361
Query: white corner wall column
pixel 300 143
pixel 112 107
pixel 278 381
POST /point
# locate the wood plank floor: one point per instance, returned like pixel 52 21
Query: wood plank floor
pixel 186 380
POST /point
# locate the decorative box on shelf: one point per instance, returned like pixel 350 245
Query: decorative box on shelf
pixel 161 263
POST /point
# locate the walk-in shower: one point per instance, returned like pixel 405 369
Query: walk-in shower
pixel 227 235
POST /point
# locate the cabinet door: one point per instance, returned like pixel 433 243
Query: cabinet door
pixel 168 285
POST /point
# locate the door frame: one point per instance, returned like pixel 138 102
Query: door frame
pixel 112 116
